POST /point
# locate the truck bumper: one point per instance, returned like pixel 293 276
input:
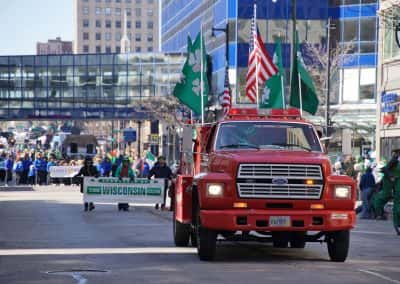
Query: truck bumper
pixel 260 220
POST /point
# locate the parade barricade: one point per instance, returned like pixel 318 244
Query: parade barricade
pixel 115 190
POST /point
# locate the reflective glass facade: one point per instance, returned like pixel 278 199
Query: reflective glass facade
pixel 84 86
pixel 355 20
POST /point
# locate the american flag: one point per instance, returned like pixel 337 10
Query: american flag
pixel 226 100
pixel 261 67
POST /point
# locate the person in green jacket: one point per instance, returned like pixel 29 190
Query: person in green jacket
pixel 124 171
pixel 390 188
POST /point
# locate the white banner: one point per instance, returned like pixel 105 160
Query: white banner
pixel 114 190
pixel 64 171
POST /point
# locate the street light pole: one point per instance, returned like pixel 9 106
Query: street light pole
pixel 328 84
pixel 294 19
pixel 226 31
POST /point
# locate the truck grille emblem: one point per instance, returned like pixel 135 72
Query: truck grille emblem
pixel 279 181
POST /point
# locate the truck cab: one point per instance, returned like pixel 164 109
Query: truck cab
pixel 261 178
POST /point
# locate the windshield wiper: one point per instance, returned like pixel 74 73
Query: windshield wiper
pixel 240 145
pixel 292 145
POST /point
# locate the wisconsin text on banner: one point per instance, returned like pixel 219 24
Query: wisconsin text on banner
pixel 260 67
pixel 114 190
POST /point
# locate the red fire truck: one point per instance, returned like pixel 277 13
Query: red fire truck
pixel 261 178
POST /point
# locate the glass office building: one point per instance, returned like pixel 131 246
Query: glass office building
pixel 84 86
pixel 353 98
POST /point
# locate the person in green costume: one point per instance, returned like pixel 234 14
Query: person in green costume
pixel 390 188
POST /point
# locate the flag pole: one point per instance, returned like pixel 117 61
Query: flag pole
pixel 254 34
pixel 300 94
pixel 283 92
pixel 201 74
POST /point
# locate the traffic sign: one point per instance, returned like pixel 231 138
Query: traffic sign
pixel 129 135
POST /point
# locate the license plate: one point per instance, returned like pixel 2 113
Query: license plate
pixel 279 221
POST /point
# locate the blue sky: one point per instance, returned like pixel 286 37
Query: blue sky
pixel 25 22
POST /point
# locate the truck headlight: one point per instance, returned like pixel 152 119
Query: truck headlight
pixel 215 189
pixel 342 192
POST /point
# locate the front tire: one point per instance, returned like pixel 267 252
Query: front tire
pixel 338 245
pixel 206 241
pixel 181 233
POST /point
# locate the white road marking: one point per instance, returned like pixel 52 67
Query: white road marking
pixel 79 278
pixel 373 233
pixel 91 251
pixel 376 274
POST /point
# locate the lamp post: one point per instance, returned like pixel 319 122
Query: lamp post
pixel 328 82
pixel 226 31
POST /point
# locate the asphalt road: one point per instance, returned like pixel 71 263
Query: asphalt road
pixel 45 237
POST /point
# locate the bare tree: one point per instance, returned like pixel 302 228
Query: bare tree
pixel 318 57
pixel 161 108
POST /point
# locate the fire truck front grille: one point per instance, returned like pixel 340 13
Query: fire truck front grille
pixel 279 181
pixel 288 191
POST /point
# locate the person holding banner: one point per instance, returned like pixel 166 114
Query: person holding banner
pixel 88 170
pixel 161 170
pixel 124 171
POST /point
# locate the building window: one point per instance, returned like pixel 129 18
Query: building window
pixel 368 29
pixel 108 49
pixel 128 1
pixel 350 30
pixel 138 12
pixel 98 1
pixel 150 1
pixel 129 35
pixel 118 11
pixel 98 36
pixel 108 36
pixel 118 24
pixel 98 49
pixel 85 48
pixel 86 36
pixel 98 10
pixel 98 24
pixel 138 37
pixel 150 25
pixel 117 36
pixel 138 1
pixel 108 1
pixel 85 23
pixel 138 49
pixel 150 49
pixel 118 49
pixel 117 1
pixel 138 24
pixel 150 38
pixel 85 10
pixel 108 24
pixel 128 24
pixel 107 11
pixel 128 11
pixel 150 12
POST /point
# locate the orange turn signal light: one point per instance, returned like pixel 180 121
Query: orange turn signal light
pixel 240 205
pixel 317 206
pixel 309 182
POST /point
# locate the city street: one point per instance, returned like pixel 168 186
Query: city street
pixel 46 237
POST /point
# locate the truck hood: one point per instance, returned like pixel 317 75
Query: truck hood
pixel 228 161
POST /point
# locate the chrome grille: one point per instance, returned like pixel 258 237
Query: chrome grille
pixel 290 191
pixel 292 171
pixel 260 177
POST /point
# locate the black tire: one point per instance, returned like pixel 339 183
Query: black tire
pixel 181 233
pixel 297 240
pixel 206 241
pixel 280 239
pixel 338 245
pixel 193 238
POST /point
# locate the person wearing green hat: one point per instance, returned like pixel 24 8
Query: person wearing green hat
pixel 124 171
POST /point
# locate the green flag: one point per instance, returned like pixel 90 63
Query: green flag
pixel 189 88
pixel 273 96
pixel 309 100
pixel 150 156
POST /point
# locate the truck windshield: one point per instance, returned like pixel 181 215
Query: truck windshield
pixel 267 135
